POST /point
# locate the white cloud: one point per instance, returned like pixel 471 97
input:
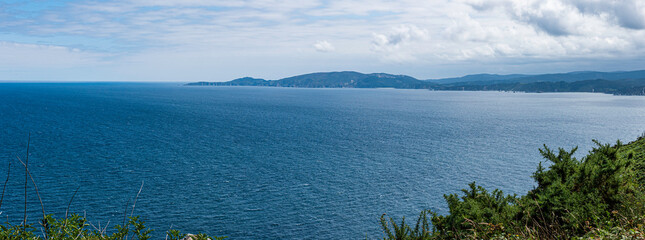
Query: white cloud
pixel 553 30
pixel 399 44
pixel 551 16
pixel 567 17
pixel 19 55
pixel 324 46
pixel 399 36
pixel 626 13
pixel 464 28
pixel 399 33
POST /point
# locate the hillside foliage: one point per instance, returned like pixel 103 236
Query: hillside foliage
pixel 617 83
pixel 600 196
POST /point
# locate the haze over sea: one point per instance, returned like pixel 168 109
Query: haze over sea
pixel 280 163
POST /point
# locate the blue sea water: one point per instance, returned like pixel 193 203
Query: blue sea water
pixel 282 163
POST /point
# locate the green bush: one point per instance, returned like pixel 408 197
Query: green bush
pixel 600 194
pixel 76 227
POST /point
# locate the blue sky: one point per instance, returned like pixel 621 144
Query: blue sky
pixel 218 40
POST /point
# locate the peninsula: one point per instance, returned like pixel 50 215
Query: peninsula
pixel 617 83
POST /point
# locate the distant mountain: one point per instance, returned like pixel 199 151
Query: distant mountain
pixel 619 83
pixel 616 87
pixel 346 79
pixel 248 81
pixel 487 79
pixel 477 78
pixel 579 76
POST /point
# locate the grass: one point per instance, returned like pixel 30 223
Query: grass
pixel 77 227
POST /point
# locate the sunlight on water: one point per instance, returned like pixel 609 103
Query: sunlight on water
pixel 284 163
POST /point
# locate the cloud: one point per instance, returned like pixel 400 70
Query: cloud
pixel 324 46
pixel 569 17
pixel 374 34
pixel 399 36
pixel 19 55
pixel 399 43
pixel 627 13
pixel 43 62
pixel 551 16
pixel 549 30
pixel 464 28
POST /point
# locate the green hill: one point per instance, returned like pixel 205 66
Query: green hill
pixel 346 79
pixel 618 83
pixel 616 87
pixel 488 79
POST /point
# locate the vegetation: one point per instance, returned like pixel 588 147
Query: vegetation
pixel 76 227
pixel 618 83
pixel 600 196
pixel 331 80
pixel 616 87
pixel 488 79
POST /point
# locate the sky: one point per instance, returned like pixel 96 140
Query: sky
pixel 219 40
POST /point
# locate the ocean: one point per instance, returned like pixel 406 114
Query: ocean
pixel 282 163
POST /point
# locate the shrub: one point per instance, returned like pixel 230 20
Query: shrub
pixel 598 195
pixel 76 227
